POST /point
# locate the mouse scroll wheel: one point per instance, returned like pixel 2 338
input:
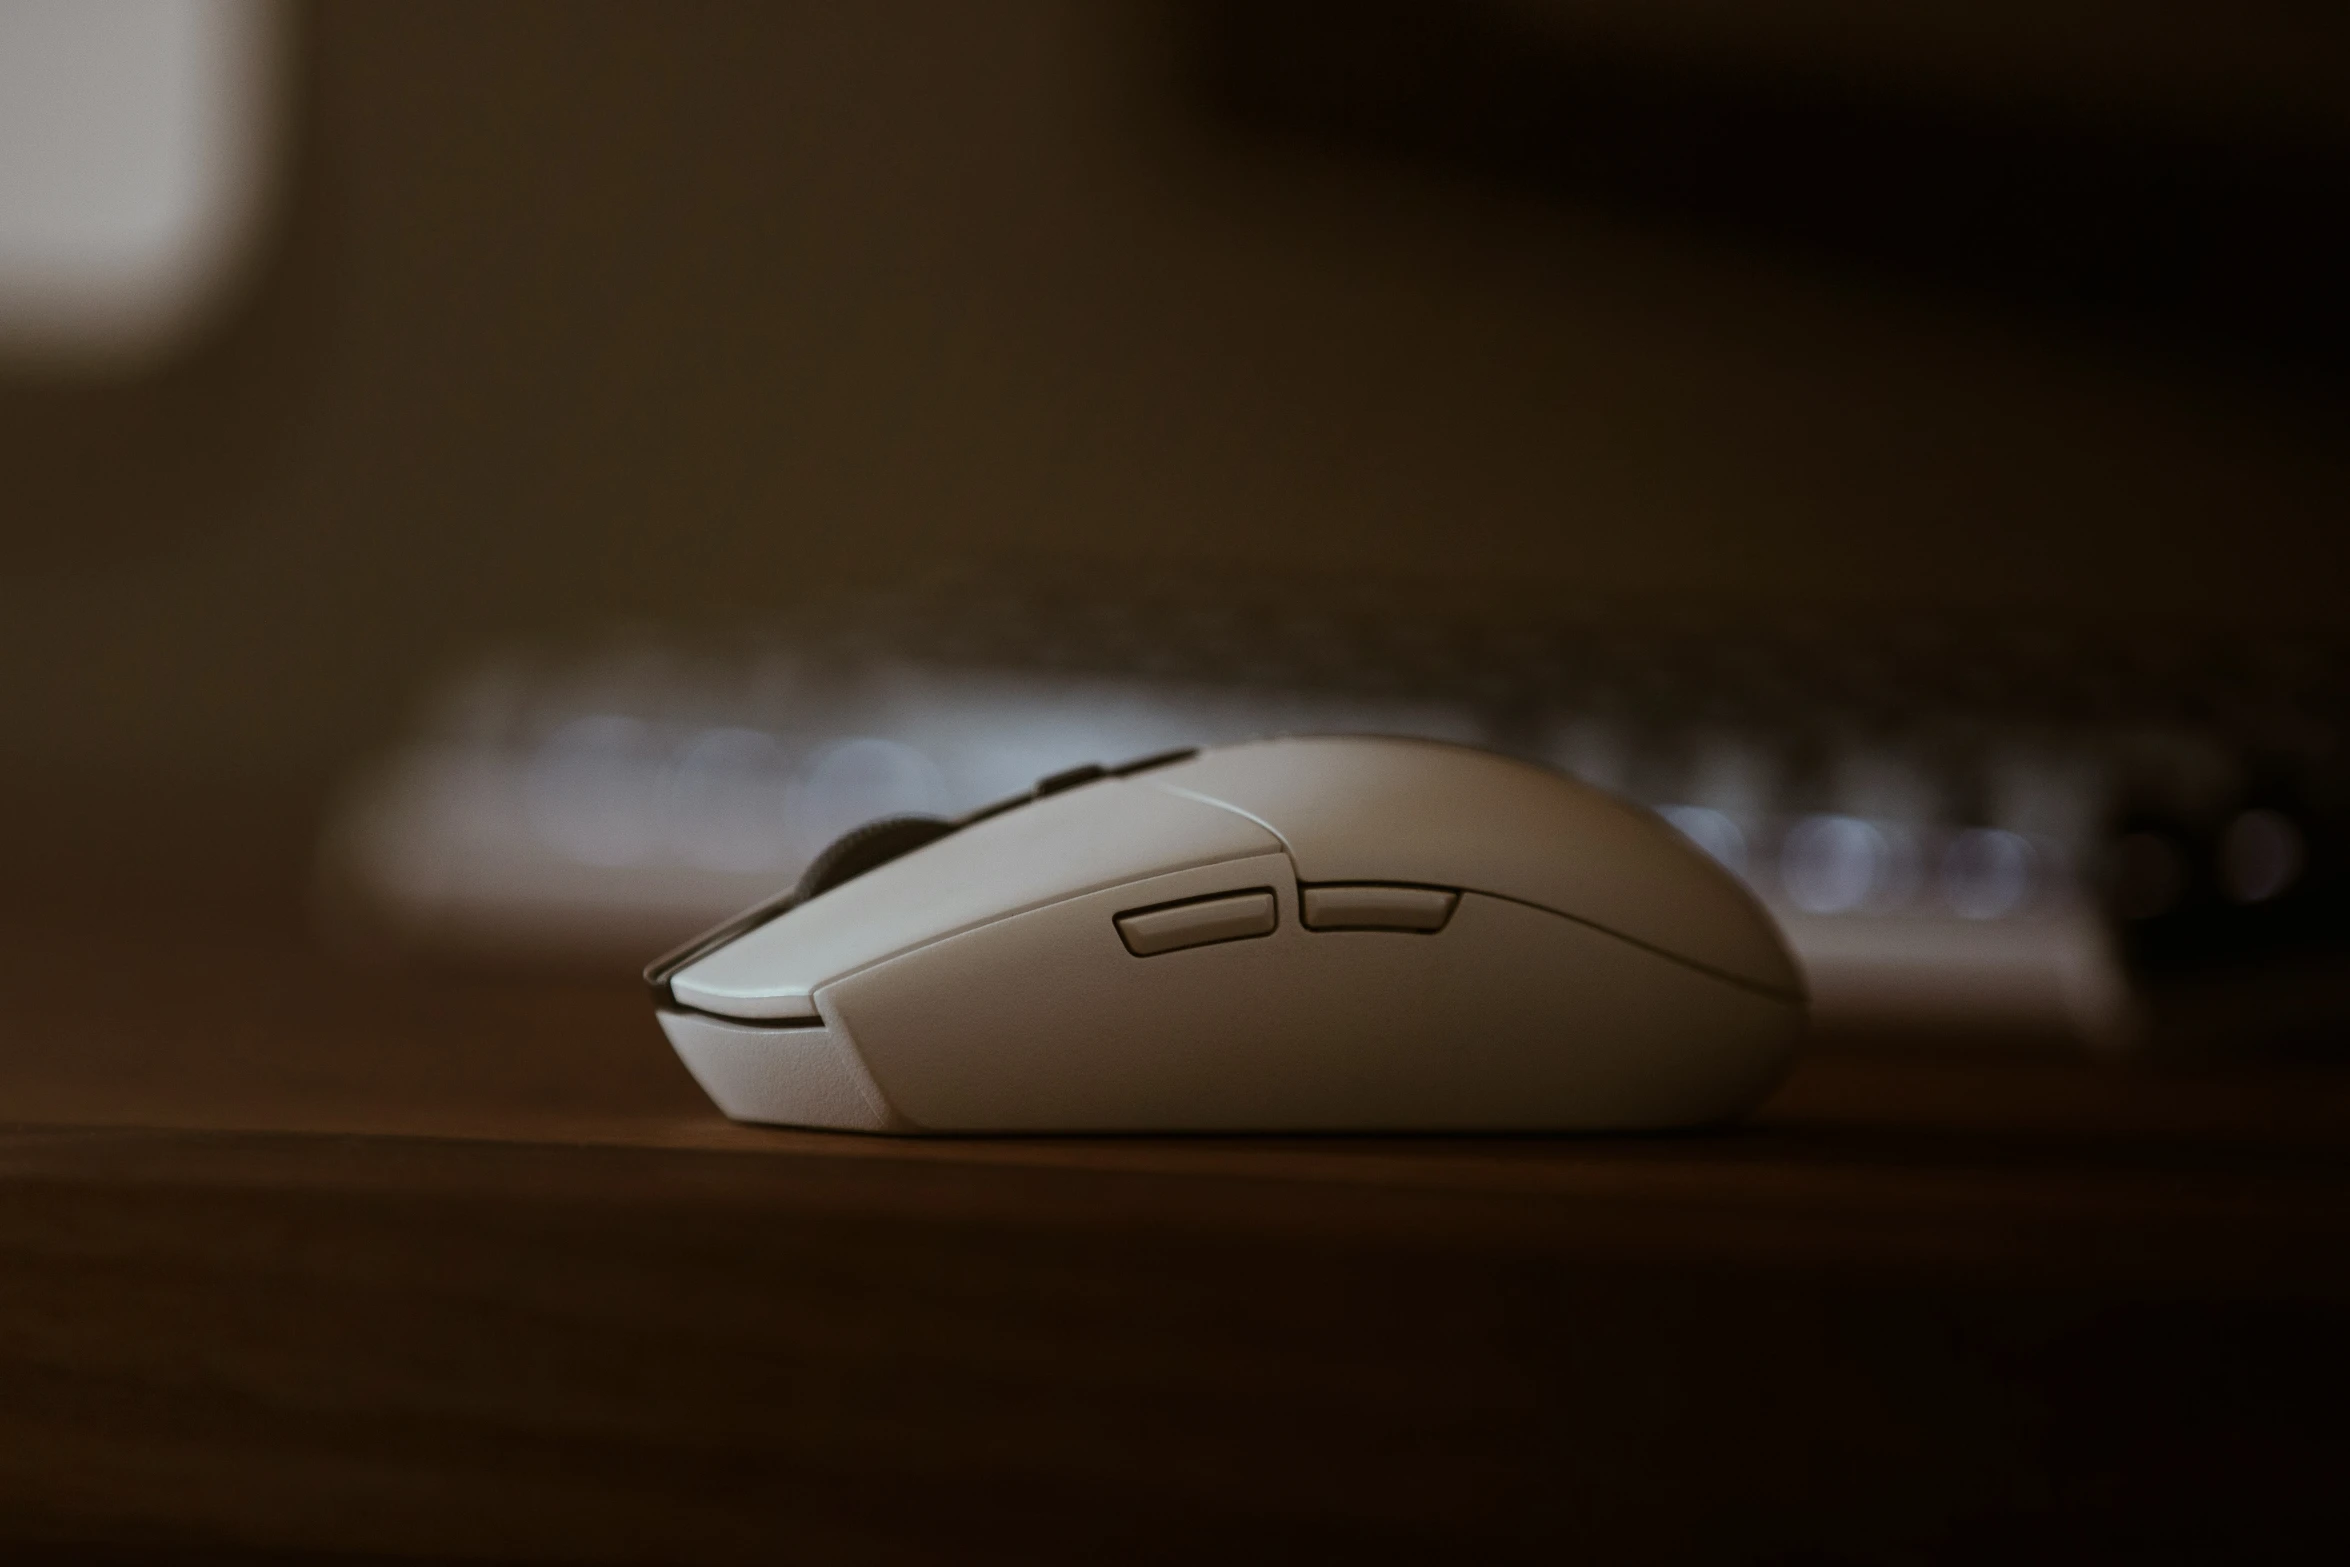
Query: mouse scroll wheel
pixel 866 848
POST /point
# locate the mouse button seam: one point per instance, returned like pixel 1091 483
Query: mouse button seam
pixel 799 1003
pixel 1180 792
pixel 795 1023
pixel 1154 761
pixel 844 1039
pixel 1798 996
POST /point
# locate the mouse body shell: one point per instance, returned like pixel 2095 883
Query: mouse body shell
pixel 1309 934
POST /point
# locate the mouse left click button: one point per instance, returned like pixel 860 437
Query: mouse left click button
pixel 1197 923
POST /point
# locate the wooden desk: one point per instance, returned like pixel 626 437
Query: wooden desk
pixel 300 1259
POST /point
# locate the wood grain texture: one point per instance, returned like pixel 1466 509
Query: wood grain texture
pixel 305 1261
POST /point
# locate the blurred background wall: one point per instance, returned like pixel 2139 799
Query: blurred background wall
pixel 575 315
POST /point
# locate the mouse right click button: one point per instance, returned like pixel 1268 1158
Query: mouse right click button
pixel 1197 922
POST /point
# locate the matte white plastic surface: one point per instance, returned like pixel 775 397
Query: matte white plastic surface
pixel 1361 809
pixel 1510 1018
pixel 1594 973
pixel 1097 836
pixel 804 1076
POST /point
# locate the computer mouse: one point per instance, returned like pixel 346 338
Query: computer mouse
pixel 1306 934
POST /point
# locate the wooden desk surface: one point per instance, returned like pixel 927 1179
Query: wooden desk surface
pixel 303 1260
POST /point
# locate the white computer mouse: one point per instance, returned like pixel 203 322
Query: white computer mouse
pixel 1329 934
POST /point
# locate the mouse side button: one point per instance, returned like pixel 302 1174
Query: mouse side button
pixel 1421 910
pixel 1515 1019
pixel 1197 923
pixel 1366 809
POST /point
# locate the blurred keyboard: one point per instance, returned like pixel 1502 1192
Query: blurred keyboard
pixel 1963 827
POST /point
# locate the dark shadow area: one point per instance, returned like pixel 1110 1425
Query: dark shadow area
pixel 2226 251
